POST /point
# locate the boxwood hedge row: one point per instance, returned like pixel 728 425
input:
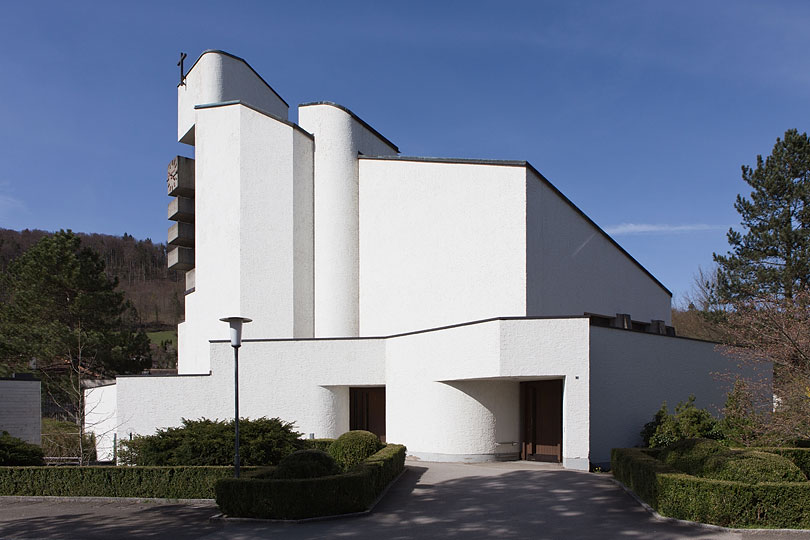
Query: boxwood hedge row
pixel 353 491
pixel 721 502
pixel 148 482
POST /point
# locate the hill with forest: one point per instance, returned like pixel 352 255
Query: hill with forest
pixel 139 265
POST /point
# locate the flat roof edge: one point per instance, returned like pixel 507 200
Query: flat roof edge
pixel 362 122
pixel 414 332
pixel 258 110
pixel 219 51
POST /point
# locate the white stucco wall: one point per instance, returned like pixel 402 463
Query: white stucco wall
pixel 254 231
pixel 339 137
pixel 21 409
pixel 572 268
pixel 632 373
pixel 453 394
pixel 440 243
pixel 216 77
pixel 101 418
pixel 305 381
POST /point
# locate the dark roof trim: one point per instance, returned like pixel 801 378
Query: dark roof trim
pixel 258 110
pixel 529 167
pixel 357 118
pixel 660 335
pixel 217 51
pixel 436 329
pixel 464 161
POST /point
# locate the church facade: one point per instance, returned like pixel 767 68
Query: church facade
pixel 464 308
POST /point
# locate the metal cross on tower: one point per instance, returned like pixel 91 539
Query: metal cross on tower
pixel 180 63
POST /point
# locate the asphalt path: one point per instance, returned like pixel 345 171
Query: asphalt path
pixel 431 500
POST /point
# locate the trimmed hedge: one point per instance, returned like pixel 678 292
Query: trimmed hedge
pixel 710 459
pixel 310 463
pixel 799 456
pixel 148 482
pixel 721 502
pixel 353 491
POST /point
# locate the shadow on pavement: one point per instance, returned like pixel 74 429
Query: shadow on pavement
pixel 109 520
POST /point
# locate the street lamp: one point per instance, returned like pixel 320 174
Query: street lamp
pixel 236 342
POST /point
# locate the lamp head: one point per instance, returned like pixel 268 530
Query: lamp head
pixel 236 328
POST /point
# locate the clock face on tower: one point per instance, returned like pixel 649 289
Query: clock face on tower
pixel 172 179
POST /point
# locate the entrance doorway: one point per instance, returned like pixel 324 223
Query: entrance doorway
pixel 367 410
pixel 541 420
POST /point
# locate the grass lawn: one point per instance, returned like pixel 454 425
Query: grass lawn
pixel 156 338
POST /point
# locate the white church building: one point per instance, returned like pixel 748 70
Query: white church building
pixel 464 308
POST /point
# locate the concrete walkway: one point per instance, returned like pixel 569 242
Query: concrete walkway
pixel 431 500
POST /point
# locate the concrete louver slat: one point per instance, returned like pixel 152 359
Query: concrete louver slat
pixel 181 258
pixel 181 209
pixel 181 234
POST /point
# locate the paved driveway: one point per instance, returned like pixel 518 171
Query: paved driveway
pixel 432 500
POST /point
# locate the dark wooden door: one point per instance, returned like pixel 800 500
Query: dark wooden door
pixel 541 412
pixel 367 410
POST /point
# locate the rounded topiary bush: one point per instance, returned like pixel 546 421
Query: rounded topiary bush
pixel 309 463
pixel 353 447
pixel 14 451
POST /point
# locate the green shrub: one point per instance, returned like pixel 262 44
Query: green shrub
pixel 688 422
pixel 726 503
pixel 309 463
pixel 14 451
pixel 710 459
pixel 349 492
pixel 157 482
pixel 319 444
pixel 353 447
pixel 264 441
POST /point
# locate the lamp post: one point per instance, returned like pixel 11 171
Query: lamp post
pixel 236 342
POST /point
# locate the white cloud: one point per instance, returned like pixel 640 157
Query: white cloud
pixel 9 204
pixel 655 228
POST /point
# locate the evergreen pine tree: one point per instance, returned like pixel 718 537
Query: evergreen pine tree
pixel 772 256
pixel 62 316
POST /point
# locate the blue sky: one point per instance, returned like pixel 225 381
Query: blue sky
pixel 641 112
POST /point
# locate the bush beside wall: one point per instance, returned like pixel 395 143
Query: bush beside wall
pixel 14 451
pixel 148 482
pixel 353 491
pixel 721 502
pixel 203 442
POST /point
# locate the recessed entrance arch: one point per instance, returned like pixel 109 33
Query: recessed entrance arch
pixel 541 420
